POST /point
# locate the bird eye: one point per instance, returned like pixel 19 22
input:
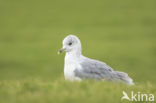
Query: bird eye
pixel 70 44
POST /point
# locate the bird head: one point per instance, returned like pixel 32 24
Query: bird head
pixel 71 43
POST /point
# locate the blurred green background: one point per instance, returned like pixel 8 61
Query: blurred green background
pixel 121 33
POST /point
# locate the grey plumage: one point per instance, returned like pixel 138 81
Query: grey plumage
pixel 94 69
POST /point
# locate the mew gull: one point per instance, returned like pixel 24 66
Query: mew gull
pixel 78 67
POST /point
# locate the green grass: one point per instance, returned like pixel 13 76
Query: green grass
pixel 60 91
pixel 119 32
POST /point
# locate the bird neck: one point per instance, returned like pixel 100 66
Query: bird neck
pixel 74 53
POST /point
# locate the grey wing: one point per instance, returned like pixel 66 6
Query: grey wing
pixel 93 69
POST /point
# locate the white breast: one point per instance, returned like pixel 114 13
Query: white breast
pixel 70 65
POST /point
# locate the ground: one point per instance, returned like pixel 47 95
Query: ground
pixel 120 33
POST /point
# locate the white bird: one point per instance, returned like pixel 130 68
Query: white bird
pixel 78 67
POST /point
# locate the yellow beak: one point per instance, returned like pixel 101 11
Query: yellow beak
pixel 61 50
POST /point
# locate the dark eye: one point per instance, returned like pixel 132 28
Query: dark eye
pixel 70 44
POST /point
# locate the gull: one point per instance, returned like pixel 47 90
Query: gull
pixel 78 67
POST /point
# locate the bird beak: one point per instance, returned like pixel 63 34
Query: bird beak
pixel 61 50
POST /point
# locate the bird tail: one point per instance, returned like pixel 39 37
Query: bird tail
pixel 123 77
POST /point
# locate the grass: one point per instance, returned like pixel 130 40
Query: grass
pixel 60 91
pixel 120 33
